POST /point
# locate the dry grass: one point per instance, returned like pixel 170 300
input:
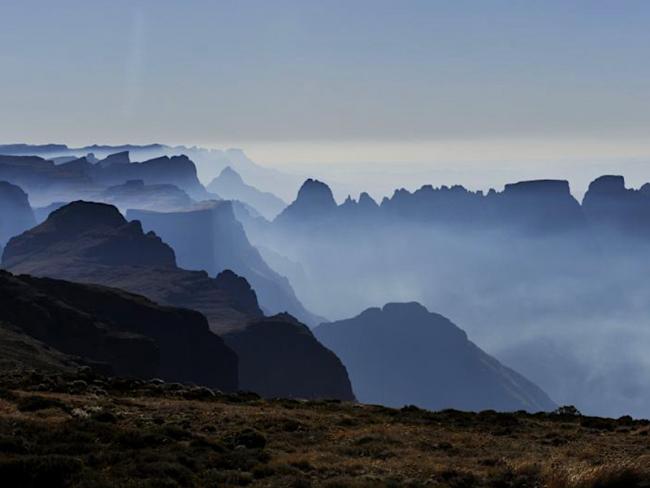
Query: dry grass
pixel 103 434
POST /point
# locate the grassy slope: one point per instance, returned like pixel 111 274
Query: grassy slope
pixel 65 431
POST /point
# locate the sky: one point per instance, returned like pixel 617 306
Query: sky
pixel 333 82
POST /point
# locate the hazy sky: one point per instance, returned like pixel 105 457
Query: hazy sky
pixel 385 78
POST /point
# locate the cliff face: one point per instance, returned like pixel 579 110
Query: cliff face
pixel 132 335
pixel 403 354
pixel 16 215
pixel 136 194
pixel 209 237
pixel 611 207
pixel 280 357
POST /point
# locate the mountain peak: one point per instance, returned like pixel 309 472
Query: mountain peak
pixel 316 194
pixel 314 199
pixel 81 215
pixel 229 175
pixel 366 200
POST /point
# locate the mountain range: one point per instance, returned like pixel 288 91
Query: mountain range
pixel 93 243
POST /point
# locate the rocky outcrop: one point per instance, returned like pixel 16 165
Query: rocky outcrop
pixel 79 178
pixel 279 357
pixel 403 354
pixel 230 186
pixel 16 215
pixel 131 334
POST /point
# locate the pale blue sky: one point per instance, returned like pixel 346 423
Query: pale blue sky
pixel 325 72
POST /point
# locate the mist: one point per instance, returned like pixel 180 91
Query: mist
pixel 555 295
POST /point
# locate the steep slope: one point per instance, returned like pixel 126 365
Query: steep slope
pixel 403 354
pixel 209 237
pixel 16 215
pixel 21 352
pixel 297 366
pixel 230 186
pixel 93 243
pixel 131 334
pixel 314 202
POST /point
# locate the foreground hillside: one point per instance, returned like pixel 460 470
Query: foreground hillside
pixel 84 430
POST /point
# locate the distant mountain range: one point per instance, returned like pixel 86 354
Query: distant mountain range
pixel 527 265
pixel 209 162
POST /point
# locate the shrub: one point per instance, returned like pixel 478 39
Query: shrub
pixel 39 471
pixel 35 402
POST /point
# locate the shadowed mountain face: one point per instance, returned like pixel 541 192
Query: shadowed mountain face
pixel 132 335
pixel 403 354
pixel 208 237
pixel 231 186
pixel 296 366
pixel 93 243
pixel 16 215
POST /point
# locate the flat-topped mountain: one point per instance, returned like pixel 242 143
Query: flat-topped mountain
pixel 94 243
pixel 403 354
pixel 611 207
pixel 16 215
pixel 230 186
pixel 128 333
